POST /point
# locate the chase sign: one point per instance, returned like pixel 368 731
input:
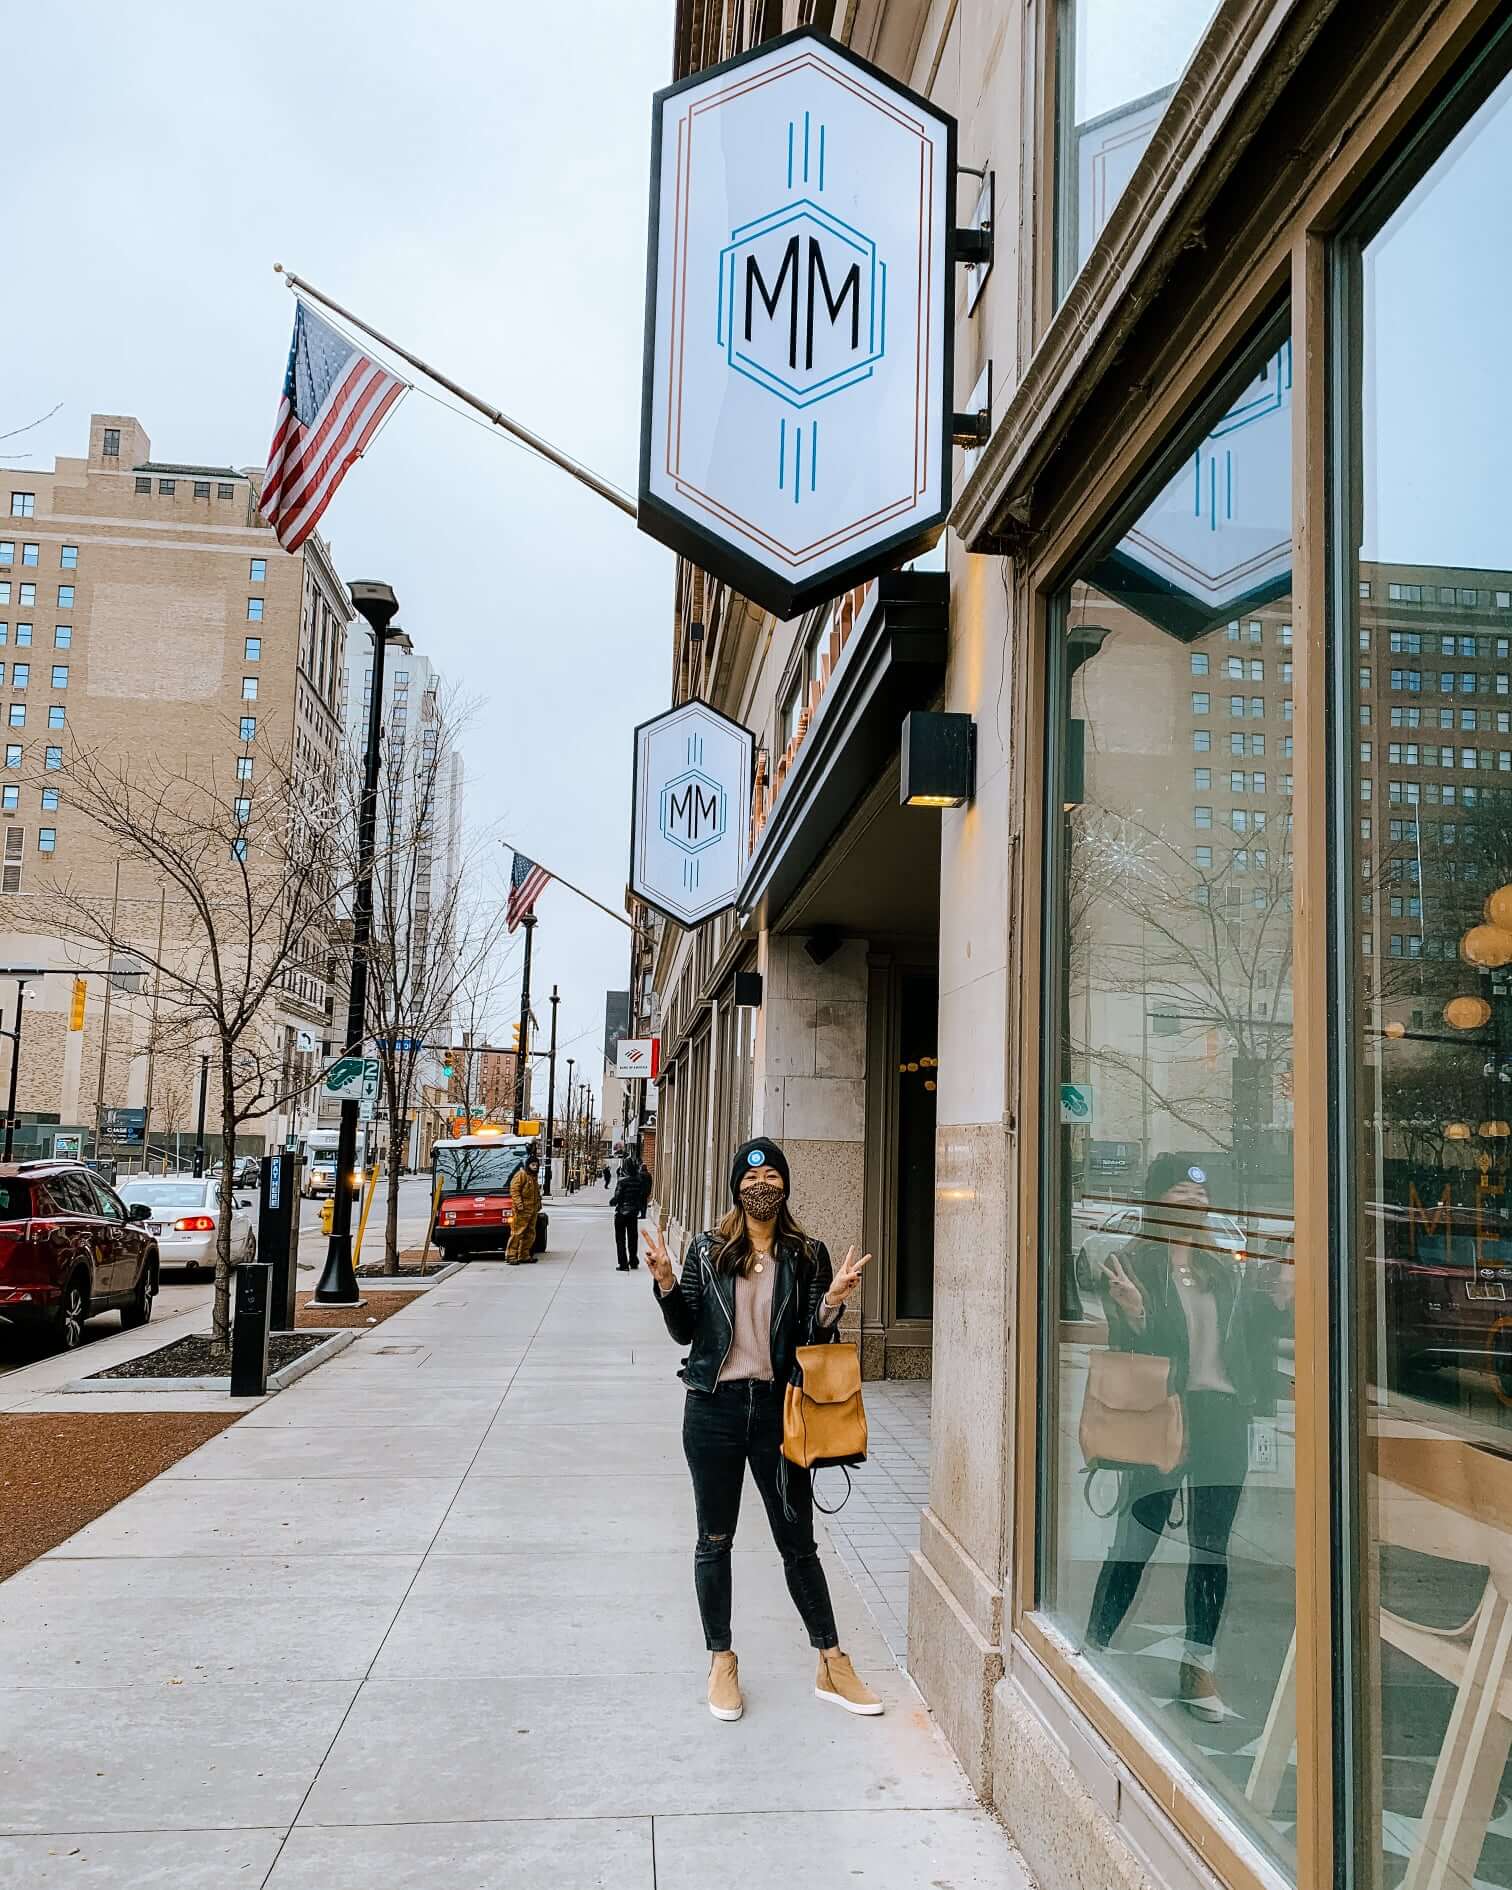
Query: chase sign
pixel 796 427
pixel 690 811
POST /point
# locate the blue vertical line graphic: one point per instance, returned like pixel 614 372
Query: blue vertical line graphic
pixel 805 146
pixel 790 154
pixel 782 453
pixel 821 157
pixel 1212 495
pixel 883 268
pixel 813 456
pixel 797 463
pixel 1228 482
pixel 1197 483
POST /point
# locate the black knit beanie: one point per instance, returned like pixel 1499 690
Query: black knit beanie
pixel 759 1153
pixel 1169 1171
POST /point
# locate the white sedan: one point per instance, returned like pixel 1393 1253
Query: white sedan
pixel 1207 1229
pixel 183 1215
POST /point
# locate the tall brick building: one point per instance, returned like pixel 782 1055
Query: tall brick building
pixel 144 606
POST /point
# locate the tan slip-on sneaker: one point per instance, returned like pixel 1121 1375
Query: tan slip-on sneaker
pixel 1198 1692
pixel 838 1681
pixel 724 1687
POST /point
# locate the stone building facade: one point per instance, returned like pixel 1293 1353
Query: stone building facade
pixel 145 608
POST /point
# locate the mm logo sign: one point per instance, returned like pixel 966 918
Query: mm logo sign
pixel 691 812
pixel 795 430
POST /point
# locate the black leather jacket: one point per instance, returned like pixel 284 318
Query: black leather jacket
pixel 700 1309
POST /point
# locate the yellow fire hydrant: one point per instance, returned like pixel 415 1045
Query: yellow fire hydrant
pixel 327 1213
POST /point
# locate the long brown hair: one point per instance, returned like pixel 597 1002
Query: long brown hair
pixel 733 1252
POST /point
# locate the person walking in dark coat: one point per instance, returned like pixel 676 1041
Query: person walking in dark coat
pixel 628 1202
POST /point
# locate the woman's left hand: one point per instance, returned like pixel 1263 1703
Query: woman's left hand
pixel 847 1279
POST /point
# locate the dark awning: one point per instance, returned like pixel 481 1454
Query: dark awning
pixel 894 661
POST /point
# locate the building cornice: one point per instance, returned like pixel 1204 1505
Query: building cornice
pixel 1247 56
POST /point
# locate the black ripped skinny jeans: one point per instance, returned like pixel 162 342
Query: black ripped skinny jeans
pixel 740 1423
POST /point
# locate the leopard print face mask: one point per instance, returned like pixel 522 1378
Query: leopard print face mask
pixel 761 1200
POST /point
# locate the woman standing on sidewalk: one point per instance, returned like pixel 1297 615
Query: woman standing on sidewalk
pixel 751 1292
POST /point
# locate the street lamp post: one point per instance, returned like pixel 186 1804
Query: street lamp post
pixel 567 1128
pixel 377 604
pixel 199 1130
pixel 551 1090
pixel 22 975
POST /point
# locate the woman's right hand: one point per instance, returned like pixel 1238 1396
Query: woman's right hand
pixel 1124 1293
pixel 659 1260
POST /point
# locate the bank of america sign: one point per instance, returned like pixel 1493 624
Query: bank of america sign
pixel 796 427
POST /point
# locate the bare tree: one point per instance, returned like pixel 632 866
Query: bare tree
pixel 255 864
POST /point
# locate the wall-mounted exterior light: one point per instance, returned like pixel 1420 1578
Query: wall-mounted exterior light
pixel 938 760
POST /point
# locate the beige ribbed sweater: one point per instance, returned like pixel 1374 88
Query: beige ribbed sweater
pixel 750 1354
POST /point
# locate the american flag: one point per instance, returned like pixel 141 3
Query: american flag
pixel 334 400
pixel 527 882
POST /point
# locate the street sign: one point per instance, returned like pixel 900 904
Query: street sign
pixel 122 1125
pixel 1076 1104
pixel 352 1078
pixel 796 411
pixel 638 1056
pixel 690 811
pixel 367 1108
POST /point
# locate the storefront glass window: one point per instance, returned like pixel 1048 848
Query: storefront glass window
pixel 1426 988
pixel 1118 66
pixel 1167 1460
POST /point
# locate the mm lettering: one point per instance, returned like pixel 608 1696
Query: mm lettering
pixel 787 284
pixel 694 813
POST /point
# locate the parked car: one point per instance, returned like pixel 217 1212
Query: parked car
pixel 1126 1223
pixel 471 1193
pixel 183 1214
pixel 319 1179
pixel 70 1247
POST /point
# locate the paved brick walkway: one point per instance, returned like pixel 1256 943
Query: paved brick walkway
pixel 425 1621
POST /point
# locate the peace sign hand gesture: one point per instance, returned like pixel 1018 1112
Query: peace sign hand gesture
pixel 658 1259
pixel 847 1279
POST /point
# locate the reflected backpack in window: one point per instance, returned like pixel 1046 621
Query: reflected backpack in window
pixel 1130 1416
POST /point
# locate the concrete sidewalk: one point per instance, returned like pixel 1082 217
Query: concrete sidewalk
pixel 426 1620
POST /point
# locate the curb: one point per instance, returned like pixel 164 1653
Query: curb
pixel 408 1283
pixel 337 1340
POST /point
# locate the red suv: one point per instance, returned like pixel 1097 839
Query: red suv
pixel 70 1248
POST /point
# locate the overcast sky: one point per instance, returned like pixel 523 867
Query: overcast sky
pixel 471 177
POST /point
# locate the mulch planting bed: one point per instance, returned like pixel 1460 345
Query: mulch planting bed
pixel 378 1307
pixel 198 1357
pixel 409 1262
pixel 59 1471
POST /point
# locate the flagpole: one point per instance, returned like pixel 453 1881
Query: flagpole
pixel 492 414
pixel 609 911
pixel 522 1055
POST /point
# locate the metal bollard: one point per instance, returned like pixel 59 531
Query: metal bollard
pixel 252 1290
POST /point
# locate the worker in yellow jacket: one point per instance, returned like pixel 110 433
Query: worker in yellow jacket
pixel 525 1193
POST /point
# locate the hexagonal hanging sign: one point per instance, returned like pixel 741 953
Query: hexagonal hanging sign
pixel 796 415
pixel 690 818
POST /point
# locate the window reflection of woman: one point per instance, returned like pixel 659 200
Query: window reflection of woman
pixel 1176 1294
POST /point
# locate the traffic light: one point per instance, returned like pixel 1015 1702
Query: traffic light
pixel 76 1008
pixel 515 1046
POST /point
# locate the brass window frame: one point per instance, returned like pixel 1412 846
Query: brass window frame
pixel 1292 262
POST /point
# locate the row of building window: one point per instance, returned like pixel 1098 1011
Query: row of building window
pixel 168 487
pixel 1239 781
pixel 1438 794
pixel 62 635
pixel 1468 682
pixel 1409 715
pixel 1239 668
pixel 1251 744
pixel 51 757
pixel 68 555
pixel 27 594
pixel 16 715
pixel 1414 642
pixel 1429 755
pixel 1239 819
pixel 1463 597
pixel 21 675
pixel 1240 706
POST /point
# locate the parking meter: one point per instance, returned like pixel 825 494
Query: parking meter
pixel 249 1330
pixel 278 1230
